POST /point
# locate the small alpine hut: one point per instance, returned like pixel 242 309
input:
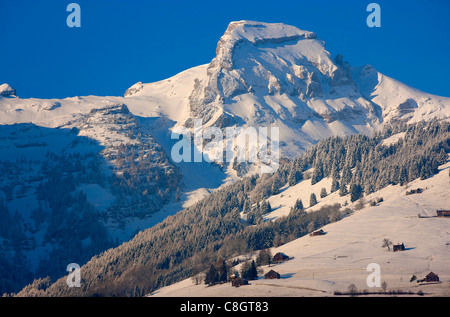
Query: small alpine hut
pixel 271 275
pixel 238 281
pixel 399 247
pixel 431 277
pixel 414 191
pixel 317 233
pixel 443 213
pixel 280 257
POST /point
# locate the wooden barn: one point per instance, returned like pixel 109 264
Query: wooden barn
pixel 399 247
pixel 238 281
pixel 317 233
pixel 414 191
pixel 271 275
pixel 443 213
pixel 431 277
pixel 280 257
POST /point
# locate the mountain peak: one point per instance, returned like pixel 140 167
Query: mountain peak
pixel 7 90
pixel 255 33
pixel 265 59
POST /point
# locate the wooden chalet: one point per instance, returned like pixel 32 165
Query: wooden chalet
pixel 398 247
pixel 271 275
pixel 414 191
pixel 317 233
pixel 280 257
pixel 238 281
pixel 443 213
pixel 432 277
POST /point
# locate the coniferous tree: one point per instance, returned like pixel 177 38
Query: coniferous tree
pixel 323 192
pixel 346 175
pixel 355 192
pixel 255 217
pixel 253 271
pixel 223 272
pixel 211 277
pixel 275 188
pixel 265 207
pixel 292 178
pixel 310 228
pixel 318 172
pixel 369 186
pixel 247 206
pixel 298 205
pixel 312 200
pixel 343 190
pixel 245 270
pixel 334 185
pixel 335 170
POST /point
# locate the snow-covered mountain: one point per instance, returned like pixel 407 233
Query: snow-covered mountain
pixel 116 150
pixel 264 74
pixel 272 74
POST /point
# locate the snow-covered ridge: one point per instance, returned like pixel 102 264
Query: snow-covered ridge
pixel 398 100
pixel 7 90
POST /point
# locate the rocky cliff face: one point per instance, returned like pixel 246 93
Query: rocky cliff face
pixel 133 89
pixel 272 74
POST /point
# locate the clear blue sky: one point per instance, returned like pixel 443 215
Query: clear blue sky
pixel 122 42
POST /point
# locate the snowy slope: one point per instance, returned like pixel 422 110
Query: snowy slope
pixel 324 264
pixel 397 100
pixel 92 151
pixel 167 98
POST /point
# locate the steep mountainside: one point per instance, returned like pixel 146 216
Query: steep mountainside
pixel 71 192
